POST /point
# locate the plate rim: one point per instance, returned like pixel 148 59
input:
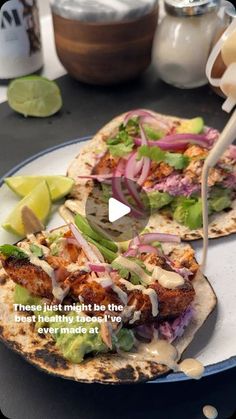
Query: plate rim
pixel 172 377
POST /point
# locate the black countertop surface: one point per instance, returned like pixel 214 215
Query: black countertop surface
pixel 28 393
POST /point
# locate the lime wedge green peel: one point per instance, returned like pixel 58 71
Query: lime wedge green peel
pixel 59 186
pixel 39 201
pixel 34 96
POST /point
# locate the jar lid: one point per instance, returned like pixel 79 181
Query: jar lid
pixel 191 7
pixel 102 10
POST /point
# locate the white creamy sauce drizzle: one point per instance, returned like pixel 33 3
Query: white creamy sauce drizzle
pixel 136 317
pixel 210 412
pixel 192 368
pixel 159 351
pixel 135 268
pixel 130 286
pixel 121 294
pixel 167 279
pixel 150 292
pixel 153 299
pixel 104 282
pixel 165 353
pixel 73 267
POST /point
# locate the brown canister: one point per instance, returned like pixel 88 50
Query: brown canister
pixel 104 46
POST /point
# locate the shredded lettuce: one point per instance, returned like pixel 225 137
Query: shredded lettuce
pixel 176 160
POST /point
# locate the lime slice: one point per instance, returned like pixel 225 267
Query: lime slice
pixel 34 96
pixel 59 186
pixel 39 201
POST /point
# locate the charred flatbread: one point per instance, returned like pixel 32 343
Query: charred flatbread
pixel 221 223
pixel 108 368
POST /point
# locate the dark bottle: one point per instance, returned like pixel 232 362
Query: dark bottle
pixel 20 41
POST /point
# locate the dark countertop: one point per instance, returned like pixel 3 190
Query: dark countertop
pixel 28 393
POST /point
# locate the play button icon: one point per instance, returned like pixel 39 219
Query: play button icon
pixel 111 209
pixel 117 210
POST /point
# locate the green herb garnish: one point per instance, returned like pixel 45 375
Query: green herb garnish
pixel 176 160
pixel 36 250
pixel 9 250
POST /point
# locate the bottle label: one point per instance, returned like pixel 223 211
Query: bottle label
pixel 20 42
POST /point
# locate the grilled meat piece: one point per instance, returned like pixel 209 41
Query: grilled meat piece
pixel 84 289
pixel 173 302
pixel 29 276
pixel 106 164
pixel 184 259
pixel 158 172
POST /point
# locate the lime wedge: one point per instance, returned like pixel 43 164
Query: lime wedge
pixel 59 186
pixel 39 201
pixel 34 96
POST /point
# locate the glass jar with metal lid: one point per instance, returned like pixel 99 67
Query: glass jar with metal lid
pixel 183 41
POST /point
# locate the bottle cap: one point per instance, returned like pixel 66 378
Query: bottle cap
pixel 191 7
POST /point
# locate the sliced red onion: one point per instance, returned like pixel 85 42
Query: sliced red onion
pixel 212 134
pixel 178 141
pixel 84 245
pixel 71 240
pixel 136 240
pixel 145 171
pixel 132 252
pixel 133 166
pixel 120 169
pixel 99 267
pixel 146 160
pixel 144 248
pixel 133 190
pixel 138 113
pixel 148 117
pixel 117 189
pixel 159 237
pixel 155 122
pixel 138 167
pixel 130 171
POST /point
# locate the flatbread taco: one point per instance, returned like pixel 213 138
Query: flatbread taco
pixel 76 307
pixel 164 156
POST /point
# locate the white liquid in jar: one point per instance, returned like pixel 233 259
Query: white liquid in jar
pixel 181 49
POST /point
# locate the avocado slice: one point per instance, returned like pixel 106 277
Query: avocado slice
pixel 191 126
